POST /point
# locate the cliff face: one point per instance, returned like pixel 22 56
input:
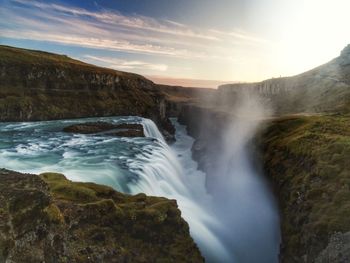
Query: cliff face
pixel 37 85
pixel 325 88
pixel 306 160
pixel 207 127
pixel 48 218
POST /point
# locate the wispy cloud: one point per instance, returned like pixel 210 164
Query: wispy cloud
pixel 115 18
pixel 240 35
pixel 111 30
pixel 127 64
pixel 99 43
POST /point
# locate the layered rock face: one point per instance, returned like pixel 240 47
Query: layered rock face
pixel 207 127
pixel 36 85
pixel 100 127
pixel 48 218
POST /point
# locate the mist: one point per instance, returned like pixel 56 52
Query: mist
pixel 242 201
pixel 231 212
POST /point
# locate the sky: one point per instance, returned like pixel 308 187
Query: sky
pixel 187 42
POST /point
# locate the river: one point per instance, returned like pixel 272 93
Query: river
pixel 148 165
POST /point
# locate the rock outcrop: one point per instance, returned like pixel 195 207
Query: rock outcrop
pixel 119 130
pixel 48 218
pixel 338 249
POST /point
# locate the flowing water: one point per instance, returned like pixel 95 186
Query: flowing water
pixel 131 165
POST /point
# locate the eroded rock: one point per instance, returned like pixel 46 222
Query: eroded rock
pixel 123 130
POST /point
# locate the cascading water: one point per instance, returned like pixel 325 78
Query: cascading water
pixel 151 130
pixel 161 173
pixel 135 165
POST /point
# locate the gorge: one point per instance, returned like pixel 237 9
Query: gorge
pixel 249 171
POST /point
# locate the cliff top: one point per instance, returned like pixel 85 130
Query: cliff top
pixel 14 55
pixel 48 218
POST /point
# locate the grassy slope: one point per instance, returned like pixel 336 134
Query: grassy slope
pixel 308 160
pixel 12 55
pixel 36 85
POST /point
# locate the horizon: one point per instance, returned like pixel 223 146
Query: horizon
pixel 226 42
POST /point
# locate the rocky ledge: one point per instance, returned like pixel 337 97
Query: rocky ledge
pixel 122 130
pixel 48 218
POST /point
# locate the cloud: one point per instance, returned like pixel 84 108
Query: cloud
pixel 110 30
pixel 56 23
pixel 127 64
pixel 115 18
pixel 240 35
pixel 98 43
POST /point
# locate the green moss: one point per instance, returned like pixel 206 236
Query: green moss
pixel 67 190
pixel 147 223
pixel 308 158
pixel 54 214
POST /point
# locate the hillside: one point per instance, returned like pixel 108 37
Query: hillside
pixel 36 85
pixel 325 88
pixel 320 90
pixel 306 158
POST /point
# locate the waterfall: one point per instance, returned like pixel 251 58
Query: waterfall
pixel 161 174
pixel 151 130
pixel 238 216
pixel 235 224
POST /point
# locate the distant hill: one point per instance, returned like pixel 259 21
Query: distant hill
pixel 325 88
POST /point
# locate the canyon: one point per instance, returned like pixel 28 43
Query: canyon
pixel 300 147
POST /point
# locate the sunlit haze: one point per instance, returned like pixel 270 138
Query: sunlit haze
pixel 191 43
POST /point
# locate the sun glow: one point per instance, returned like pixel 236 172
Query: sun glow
pixel 307 34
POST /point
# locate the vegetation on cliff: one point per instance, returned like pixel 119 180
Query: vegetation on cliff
pixel 307 159
pixel 51 219
pixel 36 85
